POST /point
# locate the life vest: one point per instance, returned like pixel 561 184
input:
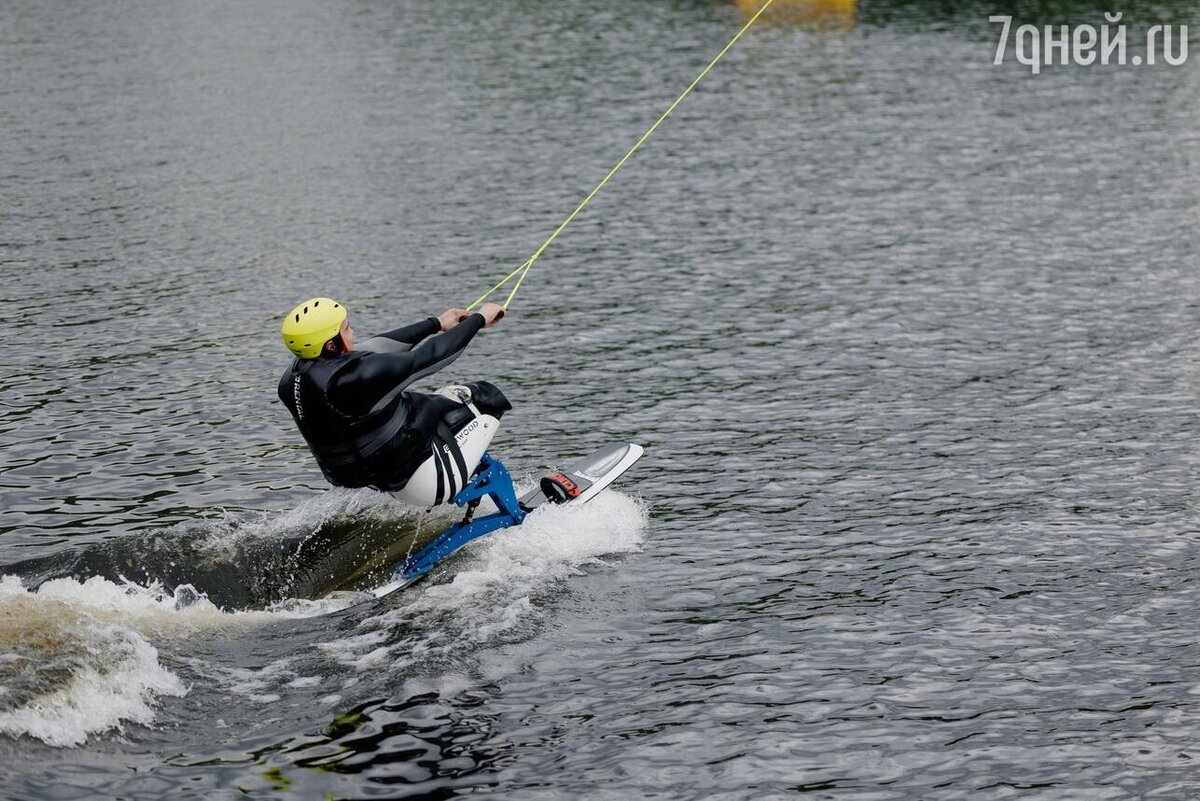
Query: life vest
pixel 352 451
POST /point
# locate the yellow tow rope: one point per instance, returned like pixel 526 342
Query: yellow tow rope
pixel 523 270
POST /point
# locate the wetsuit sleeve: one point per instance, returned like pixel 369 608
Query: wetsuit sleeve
pixel 412 334
pixel 436 352
pixel 402 339
pixel 376 378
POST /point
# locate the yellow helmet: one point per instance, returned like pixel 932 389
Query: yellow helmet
pixel 310 325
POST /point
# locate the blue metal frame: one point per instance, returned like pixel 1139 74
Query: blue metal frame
pixel 493 479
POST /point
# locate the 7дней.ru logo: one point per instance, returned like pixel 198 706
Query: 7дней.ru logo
pixel 1085 44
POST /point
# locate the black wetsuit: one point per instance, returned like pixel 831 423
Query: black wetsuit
pixel 363 429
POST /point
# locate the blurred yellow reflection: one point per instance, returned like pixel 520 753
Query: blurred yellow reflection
pixel 839 12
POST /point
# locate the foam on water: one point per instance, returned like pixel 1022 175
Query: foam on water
pixel 493 584
pixel 77 659
pixel 67 674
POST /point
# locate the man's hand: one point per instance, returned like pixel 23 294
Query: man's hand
pixel 452 317
pixel 492 312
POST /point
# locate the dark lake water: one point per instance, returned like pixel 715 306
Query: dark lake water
pixel 909 339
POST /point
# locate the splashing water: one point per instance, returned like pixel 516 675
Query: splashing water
pixel 66 673
pixel 489 592
pixel 78 654
pixel 76 658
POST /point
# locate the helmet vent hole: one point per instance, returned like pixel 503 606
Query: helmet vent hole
pixel 297 318
pixel 315 305
pixel 306 310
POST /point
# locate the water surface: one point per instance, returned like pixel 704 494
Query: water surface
pixel 908 337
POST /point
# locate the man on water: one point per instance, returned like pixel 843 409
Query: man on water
pixel 364 429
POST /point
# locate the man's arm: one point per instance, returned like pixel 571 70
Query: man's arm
pixel 375 380
pixel 435 353
pixel 402 339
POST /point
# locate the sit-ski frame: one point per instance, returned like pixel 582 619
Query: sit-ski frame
pixel 492 480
